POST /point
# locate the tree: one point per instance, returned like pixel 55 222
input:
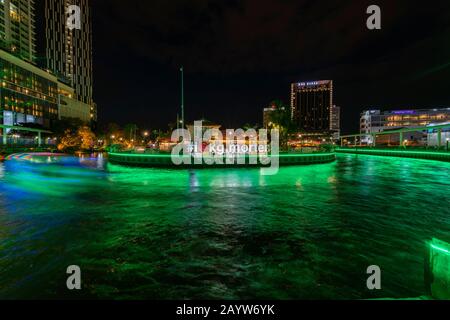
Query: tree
pixel 113 129
pixel 87 138
pixel 82 139
pixel 69 142
pixel 60 126
pixel 250 126
pixel 130 131
pixel 280 118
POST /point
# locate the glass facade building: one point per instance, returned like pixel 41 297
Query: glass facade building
pixel 17 28
pixel 69 52
pixel 336 121
pixel 27 93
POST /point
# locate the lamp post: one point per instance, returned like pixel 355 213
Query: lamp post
pixel 182 97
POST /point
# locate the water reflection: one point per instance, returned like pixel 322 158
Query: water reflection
pixel 307 232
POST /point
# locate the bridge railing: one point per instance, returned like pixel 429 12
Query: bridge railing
pixel 399 148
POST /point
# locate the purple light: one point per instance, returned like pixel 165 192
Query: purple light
pixel 404 112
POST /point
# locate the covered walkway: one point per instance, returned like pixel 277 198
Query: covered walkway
pixel 18 128
pixel 438 128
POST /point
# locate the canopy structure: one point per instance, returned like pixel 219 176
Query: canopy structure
pixel 437 127
pixel 19 128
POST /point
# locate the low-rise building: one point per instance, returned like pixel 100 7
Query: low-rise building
pixel 206 125
pixel 69 107
pixel 30 95
pixel 375 121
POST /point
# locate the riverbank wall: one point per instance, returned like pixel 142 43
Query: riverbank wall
pixel 165 160
pixel 416 154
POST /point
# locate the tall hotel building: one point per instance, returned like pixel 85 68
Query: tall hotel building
pixel 69 52
pixel 312 107
pixel 17 34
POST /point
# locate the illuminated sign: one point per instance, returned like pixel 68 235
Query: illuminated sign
pixel 313 83
pixel 404 112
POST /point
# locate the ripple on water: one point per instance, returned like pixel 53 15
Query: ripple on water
pixel 307 232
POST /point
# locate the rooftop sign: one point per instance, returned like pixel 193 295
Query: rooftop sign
pixel 404 112
pixel 313 83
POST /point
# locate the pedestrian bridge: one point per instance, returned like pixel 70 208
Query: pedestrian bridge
pixel 416 154
pixel 39 132
pixel 438 128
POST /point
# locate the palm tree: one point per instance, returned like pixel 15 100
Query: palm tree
pixel 280 118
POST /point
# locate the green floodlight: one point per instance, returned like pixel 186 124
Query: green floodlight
pixel 438 269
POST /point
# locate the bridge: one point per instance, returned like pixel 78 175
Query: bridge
pixel 18 128
pixel 417 153
pixel 438 128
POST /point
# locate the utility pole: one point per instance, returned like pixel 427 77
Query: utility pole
pixel 182 98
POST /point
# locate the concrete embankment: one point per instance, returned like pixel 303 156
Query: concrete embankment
pixel 416 154
pixel 165 160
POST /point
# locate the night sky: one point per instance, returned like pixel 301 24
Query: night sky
pixel 239 55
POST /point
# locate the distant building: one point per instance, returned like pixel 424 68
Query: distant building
pixel 374 121
pixel 268 115
pixel 17 34
pixel 335 121
pixel 311 106
pixel 206 125
pixel 267 112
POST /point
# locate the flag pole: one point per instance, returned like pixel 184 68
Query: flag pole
pixel 182 98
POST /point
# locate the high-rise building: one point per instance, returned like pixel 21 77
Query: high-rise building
pixel 30 95
pixel 311 106
pixel 335 121
pixel 69 52
pixel 17 34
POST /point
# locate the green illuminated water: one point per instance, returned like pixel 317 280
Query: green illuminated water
pixel 308 232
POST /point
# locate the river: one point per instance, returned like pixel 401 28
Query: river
pixel 309 232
